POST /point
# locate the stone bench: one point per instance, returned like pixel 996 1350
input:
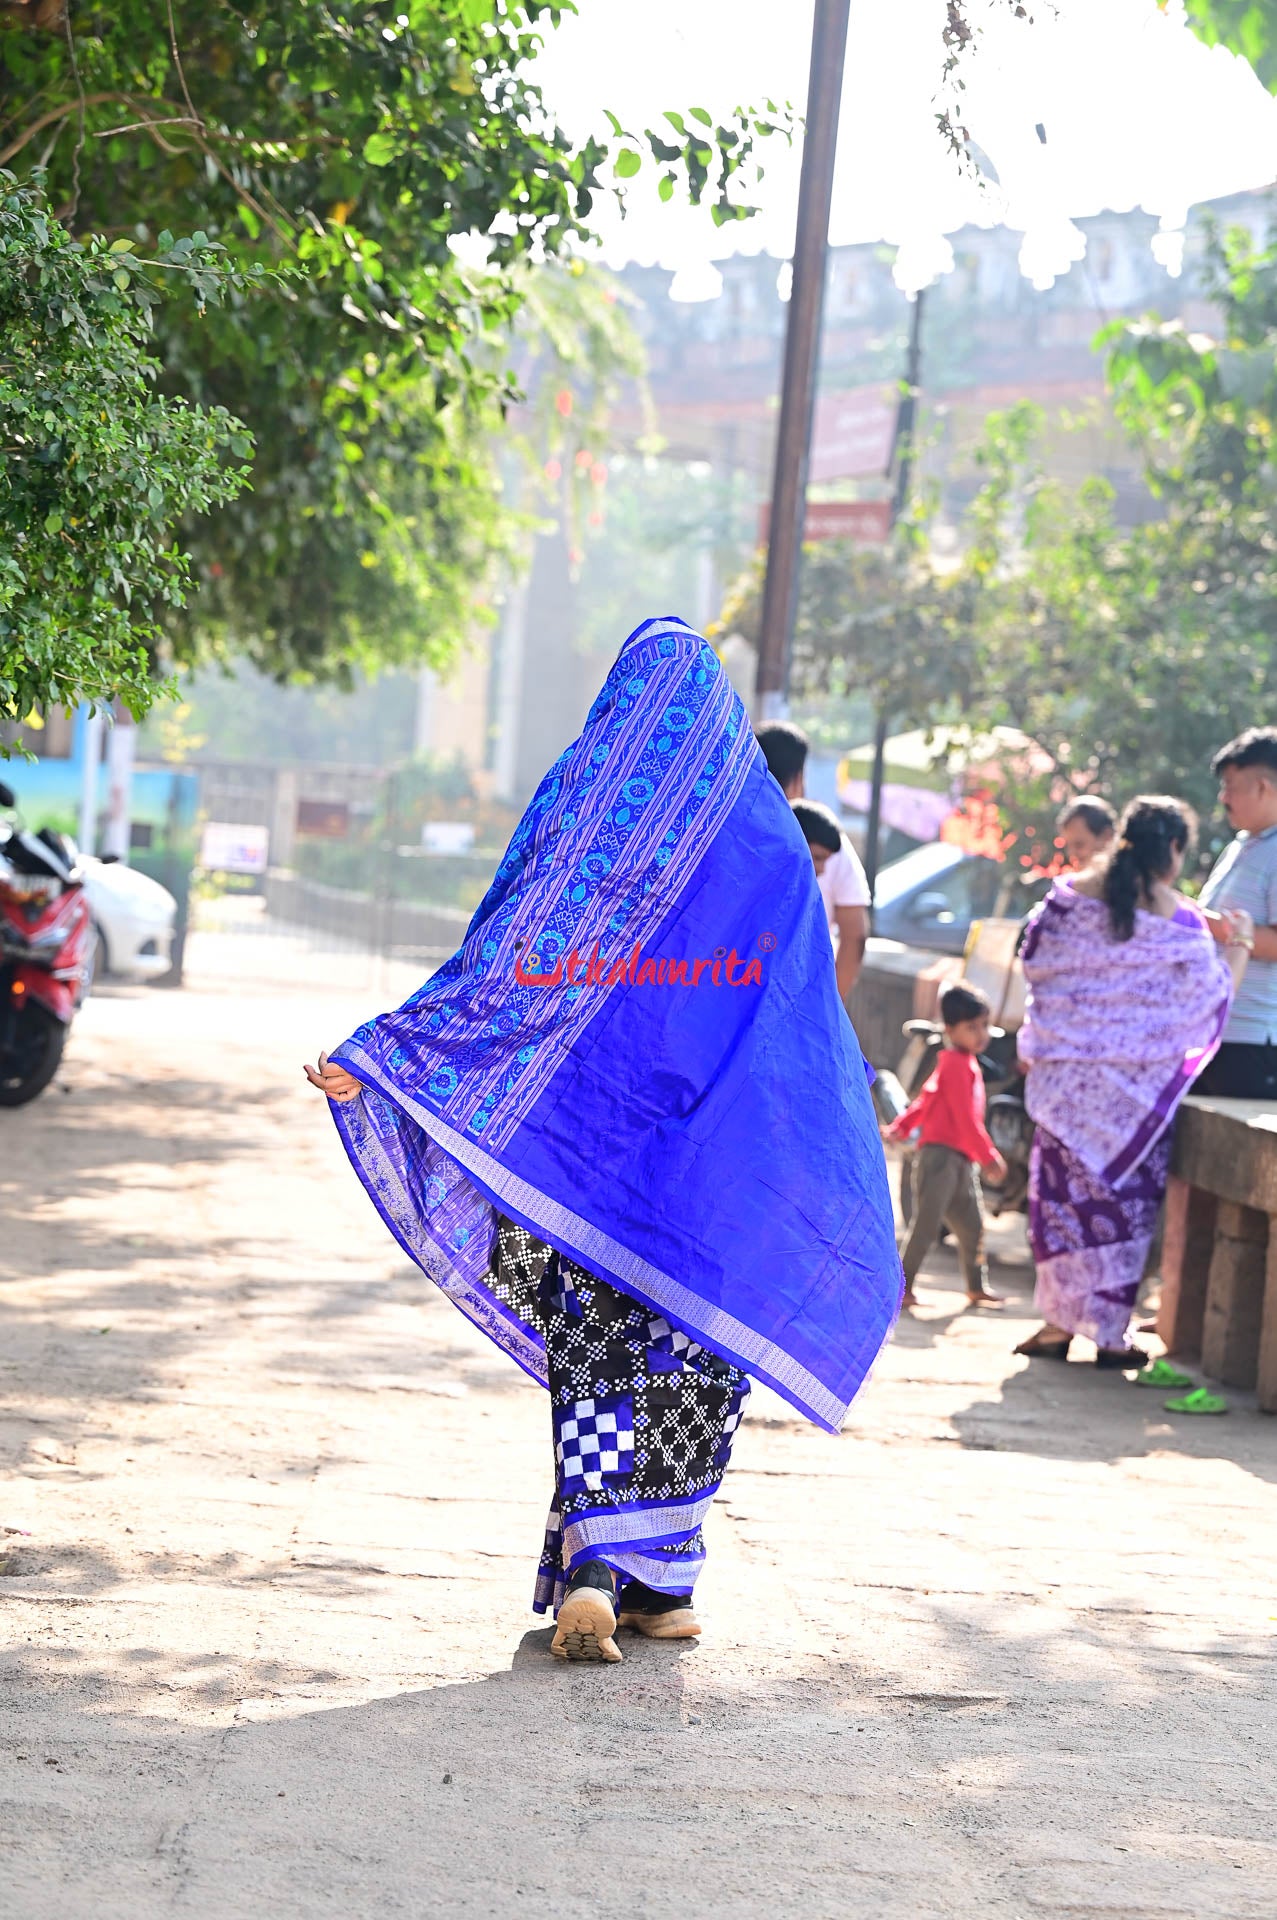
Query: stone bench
pixel 1219 1259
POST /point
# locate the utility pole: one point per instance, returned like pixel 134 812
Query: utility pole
pixel 90 765
pixel 802 348
pixel 902 448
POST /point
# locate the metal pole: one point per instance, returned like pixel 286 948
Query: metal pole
pixel 907 412
pixel 802 346
pixel 90 765
pixel 902 446
pixel 120 750
pixel 873 827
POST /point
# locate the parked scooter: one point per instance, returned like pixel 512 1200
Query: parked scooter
pixel 45 954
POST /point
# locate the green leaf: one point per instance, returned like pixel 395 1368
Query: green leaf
pixel 122 245
pixel 122 279
pixel 53 522
pixel 627 163
pixel 379 149
pixel 667 185
pixel 699 113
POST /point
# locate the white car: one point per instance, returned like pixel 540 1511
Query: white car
pixel 134 918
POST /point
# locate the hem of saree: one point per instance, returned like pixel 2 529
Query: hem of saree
pixel 623 1539
pixel 579 1240
pixel 662 1576
pixel 1165 1107
pixel 619 1526
pixel 1065 1279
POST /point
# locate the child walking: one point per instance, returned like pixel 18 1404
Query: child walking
pixel 948 1119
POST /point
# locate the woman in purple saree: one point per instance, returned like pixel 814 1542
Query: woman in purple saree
pixel 1127 998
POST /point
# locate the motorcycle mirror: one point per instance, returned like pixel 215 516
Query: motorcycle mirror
pixel 7 798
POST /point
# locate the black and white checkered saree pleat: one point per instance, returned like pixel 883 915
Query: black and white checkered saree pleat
pixel 643 1422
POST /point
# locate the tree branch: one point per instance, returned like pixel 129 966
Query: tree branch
pixel 67 108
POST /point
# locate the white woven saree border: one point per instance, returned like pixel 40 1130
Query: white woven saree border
pixel 602 1254
pixel 635 1524
pixel 663 1576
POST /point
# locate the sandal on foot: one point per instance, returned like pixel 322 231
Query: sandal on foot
pixel 1200 1400
pixel 587 1619
pixel 1162 1374
pixel 1036 1348
pixel 1121 1357
pixel 658 1616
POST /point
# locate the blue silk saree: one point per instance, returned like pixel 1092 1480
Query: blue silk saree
pixel 627 1127
pixel 639 1055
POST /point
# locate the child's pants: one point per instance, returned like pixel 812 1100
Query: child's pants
pixel 946 1188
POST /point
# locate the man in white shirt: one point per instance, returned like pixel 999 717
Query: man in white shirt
pixel 839 874
pixel 843 888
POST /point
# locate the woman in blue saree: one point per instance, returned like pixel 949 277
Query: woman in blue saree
pixel 627 1129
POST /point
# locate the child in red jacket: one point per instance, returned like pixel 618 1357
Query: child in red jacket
pixel 947 1119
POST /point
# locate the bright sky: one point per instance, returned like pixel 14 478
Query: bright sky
pixel 1137 113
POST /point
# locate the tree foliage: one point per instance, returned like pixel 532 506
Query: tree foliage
pixel 1131 654
pixel 1245 27
pixel 96 467
pixel 359 142
pixel 1127 655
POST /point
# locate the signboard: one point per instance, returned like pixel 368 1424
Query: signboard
pixel 852 434
pixel 866 522
pixel 447 836
pixel 233 848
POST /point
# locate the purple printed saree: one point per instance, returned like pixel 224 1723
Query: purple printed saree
pixel 1115 1033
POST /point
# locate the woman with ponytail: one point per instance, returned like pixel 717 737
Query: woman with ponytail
pixel 1127 998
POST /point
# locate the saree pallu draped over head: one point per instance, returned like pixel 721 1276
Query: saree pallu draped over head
pixel 1115 1032
pixel 638 1056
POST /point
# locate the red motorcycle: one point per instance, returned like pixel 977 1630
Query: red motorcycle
pixel 45 954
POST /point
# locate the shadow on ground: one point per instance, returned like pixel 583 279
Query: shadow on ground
pixel 835 1787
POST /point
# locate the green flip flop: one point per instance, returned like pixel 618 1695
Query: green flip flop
pixel 1162 1374
pixel 1200 1400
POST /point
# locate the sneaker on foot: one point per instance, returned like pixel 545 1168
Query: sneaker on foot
pixel 587 1619
pixel 658 1616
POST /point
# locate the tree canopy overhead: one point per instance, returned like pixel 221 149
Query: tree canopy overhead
pixel 1245 27
pixel 354 143
pixel 96 467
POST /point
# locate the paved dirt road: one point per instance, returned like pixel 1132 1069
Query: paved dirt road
pixel 1005 1648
